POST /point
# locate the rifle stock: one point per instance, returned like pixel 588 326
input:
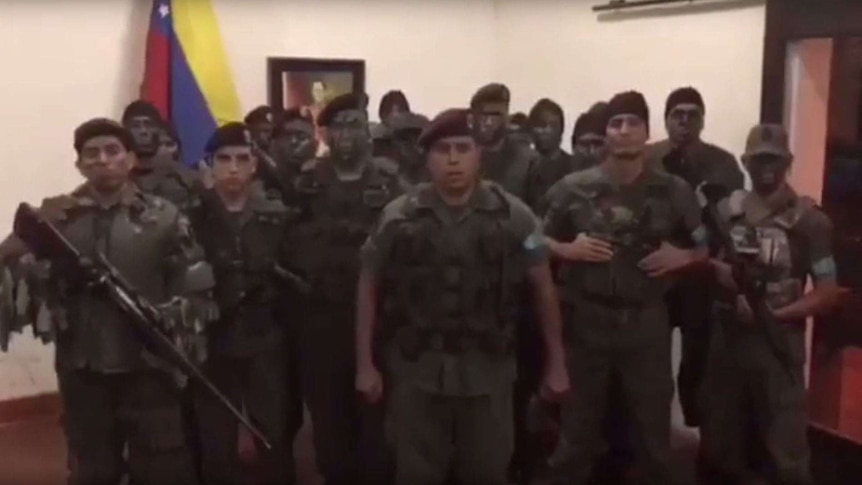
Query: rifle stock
pixel 46 242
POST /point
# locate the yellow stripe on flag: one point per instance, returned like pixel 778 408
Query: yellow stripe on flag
pixel 197 31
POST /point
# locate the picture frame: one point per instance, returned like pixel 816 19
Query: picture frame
pixel 311 82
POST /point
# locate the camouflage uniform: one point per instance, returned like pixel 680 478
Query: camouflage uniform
pixel 511 167
pixel 336 218
pixel 750 399
pixel 450 281
pixel 249 357
pixel 115 395
pixel 615 316
pixel 169 180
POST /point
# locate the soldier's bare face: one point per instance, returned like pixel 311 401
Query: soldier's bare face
pixel 626 136
pixel 168 147
pixel 233 168
pixel 491 120
pixel 547 132
pixel 145 131
pixel 348 136
pixel 684 123
pixel 453 163
pixel 105 162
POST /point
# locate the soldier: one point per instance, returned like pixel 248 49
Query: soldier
pixel 293 144
pixel 446 262
pixel 117 399
pixel 685 155
pixel 244 237
pixel 588 138
pixel 616 229
pixel 503 159
pixel 260 122
pixel 789 239
pixel 547 121
pixel 519 130
pixel 393 102
pixel 169 143
pixel 406 128
pixel 340 198
pixel 153 173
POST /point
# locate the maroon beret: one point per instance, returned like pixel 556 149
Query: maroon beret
pixel 452 122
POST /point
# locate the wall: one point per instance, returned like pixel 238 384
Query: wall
pixel 563 50
pixel 67 61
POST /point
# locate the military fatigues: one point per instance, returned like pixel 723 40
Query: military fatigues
pixel 449 280
pixel 689 301
pixel 114 395
pixel 615 316
pixel 546 172
pixel 336 219
pixel 169 180
pixel 248 358
pixel 511 168
pixel 751 401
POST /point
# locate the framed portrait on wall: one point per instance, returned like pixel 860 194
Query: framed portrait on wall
pixel 309 84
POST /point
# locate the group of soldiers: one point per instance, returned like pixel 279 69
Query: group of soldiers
pixel 427 288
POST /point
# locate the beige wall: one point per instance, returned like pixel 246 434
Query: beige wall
pixel 67 61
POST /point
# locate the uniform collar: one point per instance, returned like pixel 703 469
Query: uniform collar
pixel 130 195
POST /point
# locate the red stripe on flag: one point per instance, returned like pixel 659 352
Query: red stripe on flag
pixel 157 71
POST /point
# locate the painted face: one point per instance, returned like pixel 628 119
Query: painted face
pixel 295 143
pixel 590 145
pixel 767 171
pixel 547 132
pixel 262 133
pixel 348 137
pixel 453 163
pixel 233 168
pixel 684 123
pixel 105 162
pixel 406 151
pixel 626 136
pixel 168 147
pixel 145 132
pixel 491 123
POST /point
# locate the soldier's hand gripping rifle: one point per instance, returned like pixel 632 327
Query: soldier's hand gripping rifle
pixel 752 287
pixel 46 242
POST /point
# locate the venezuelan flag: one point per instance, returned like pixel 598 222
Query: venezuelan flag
pixel 187 74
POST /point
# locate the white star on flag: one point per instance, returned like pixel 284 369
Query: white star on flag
pixel 164 10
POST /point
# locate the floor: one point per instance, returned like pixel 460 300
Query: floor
pixel 34 453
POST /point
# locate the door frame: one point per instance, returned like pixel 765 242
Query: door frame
pixel 789 20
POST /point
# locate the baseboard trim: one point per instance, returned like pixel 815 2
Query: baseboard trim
pixel 30 408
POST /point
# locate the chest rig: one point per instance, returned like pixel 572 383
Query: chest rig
pixel 453 287
pixel 243 248
pixel 337 218
pixel 635 222
pixel 766 239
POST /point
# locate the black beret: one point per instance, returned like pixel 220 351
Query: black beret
pixel 390 99
pixel 490 93
pixel 452 122
pixel 628 103
pixel 261 114
pixel 519 120
pixel 599 106
pixel 102 127
pixel 591 122
pixel 687 95
pixel 407 122
pixel 345 102
pixel 546 105
pixel 230 134
pixel 141 108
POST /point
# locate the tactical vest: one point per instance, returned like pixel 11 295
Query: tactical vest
pixel 337 219
pixel 452 288
pixel 635 229
pixel 770 245
pixel 137 238
pixel 243 253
